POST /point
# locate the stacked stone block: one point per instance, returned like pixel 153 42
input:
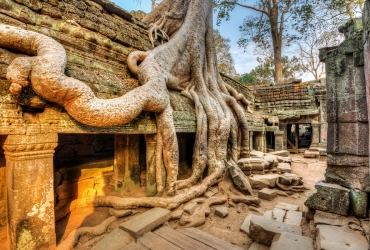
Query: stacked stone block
pixel 348 128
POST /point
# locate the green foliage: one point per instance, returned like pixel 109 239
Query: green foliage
pixel 247 78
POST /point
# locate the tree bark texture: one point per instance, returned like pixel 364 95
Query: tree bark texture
pixel 187 63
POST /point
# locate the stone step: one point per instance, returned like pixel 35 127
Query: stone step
pixel 267 194
pixel 263 230
pixel 208 239
pixel 263 181
pixel 146 222
pixel 339 238
pixel 115 240
pixel 278 214
pixel 287 241
pixel 293 218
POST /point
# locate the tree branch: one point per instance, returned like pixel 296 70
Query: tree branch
pixel 246 6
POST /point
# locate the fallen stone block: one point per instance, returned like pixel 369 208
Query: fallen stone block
pixel 284 168
pixel 247 222
pixel 289 179
pixel 311 154
pixel 240 180
pixel 267 214
pixel 271 160
pixel 283 153
pixel 329 198
pixel 263 181
pixel 267 194
pixel 282 159
pixel 263 230
pixel 358 203
pixel 190 207
pixel 286 241
pixel 176 215
pixel 249 164
pixel 146 222
pixel 286 206
pixel 115 240
pixel 255 153
pixel 257 246
pixel 325 218
pixel 339 238
pixel 293 218
pixel 278 214
pixel 221 211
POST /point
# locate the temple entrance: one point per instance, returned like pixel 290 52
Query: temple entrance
pixel 270 141
pixel 298 137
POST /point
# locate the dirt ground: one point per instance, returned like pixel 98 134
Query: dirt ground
pixel 227 228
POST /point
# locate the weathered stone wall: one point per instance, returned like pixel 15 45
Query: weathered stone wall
pixel 287 101
pixel 348 128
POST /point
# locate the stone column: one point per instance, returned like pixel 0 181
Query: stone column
pixel 263 142
pixel 126 163
pixel 279 135
pixel 284 128
pixel 251 141
pixel 323 121
pixel 315 135
pixel 151 185
pixel 30 192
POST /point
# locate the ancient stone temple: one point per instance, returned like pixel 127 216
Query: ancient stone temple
pixel 52 164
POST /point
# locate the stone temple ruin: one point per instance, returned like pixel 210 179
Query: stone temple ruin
pixel 52 164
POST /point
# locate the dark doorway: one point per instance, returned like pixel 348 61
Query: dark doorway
pixel 270 140
pixel 298 137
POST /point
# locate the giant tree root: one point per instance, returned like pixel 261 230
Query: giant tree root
pixel 74 236
pixel 164 202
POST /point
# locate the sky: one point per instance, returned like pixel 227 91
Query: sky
pixel 244 61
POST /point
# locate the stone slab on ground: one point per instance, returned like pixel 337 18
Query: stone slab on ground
pixel 190 207
pixel 289 179
pixel 339 238
pixel 146 222
pixel 246 223
pixel 286 206
pixel 134 246
pixel 176 215
pixel 263 230
pixel 329 198
pixel 115 240
pixel 284 168
pixel 293 218
pixel 255 153
pixel 278 214
pixel 311 154
pixel 240 180
pixel 257 246
pixel 286 241
pixel 263 181
pixel 267 214
pixel 208 239
pixel 283 153
pixel 221 211
pixel 267 194
pixel 248 164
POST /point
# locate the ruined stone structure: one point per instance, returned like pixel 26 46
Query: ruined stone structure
pixel 50 163
pixel 347 174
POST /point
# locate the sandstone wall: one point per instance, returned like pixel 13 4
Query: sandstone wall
pixel 289 101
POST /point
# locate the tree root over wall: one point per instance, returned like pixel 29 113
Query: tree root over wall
pixel 186 63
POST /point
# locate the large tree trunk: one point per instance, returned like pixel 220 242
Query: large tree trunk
pixel 277 45
pixel 186 63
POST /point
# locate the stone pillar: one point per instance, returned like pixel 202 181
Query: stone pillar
pixel 323 121
pixel 263 142
pixel 251 141
pixel 151 185
pixel 315 135
pixel 279 141
pixel 126 163
pixel 30 192
pixel 284 128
